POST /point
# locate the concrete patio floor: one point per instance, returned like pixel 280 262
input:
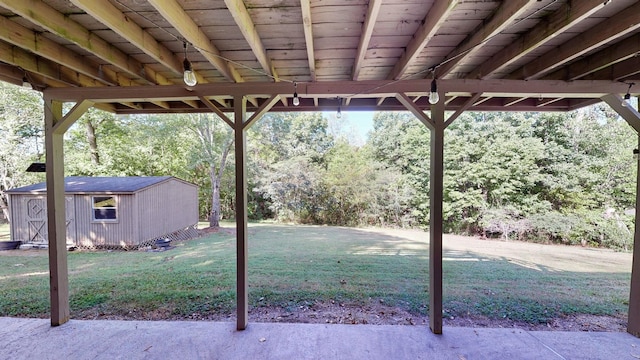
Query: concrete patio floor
pixel 101 339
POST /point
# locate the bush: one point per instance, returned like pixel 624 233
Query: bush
pixel 589 227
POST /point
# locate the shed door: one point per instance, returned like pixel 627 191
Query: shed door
pixel 36 219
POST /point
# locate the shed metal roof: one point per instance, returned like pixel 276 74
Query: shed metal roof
pixel 89 184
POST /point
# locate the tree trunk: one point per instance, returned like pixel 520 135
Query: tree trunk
pixel 4 206
pixel 216 176
pixel 214 217
pixel 93 142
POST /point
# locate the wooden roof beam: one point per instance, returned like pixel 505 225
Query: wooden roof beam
pixel 436 16
pixel 618 71
pixel 307 24
pixel 243 20
pixel 26 39
pixel 617 26
pixel 367 31
pixel 505 15
pixel 29 62
pixel 63 26
pixel 565 17
pixel 626 49
pixel 182 22
pixel 113 18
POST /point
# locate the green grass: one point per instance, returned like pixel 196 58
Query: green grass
pixel 297 265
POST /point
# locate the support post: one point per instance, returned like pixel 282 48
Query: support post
pixel 632 116
pixel 633 323
pixel 56 226
pixel 436 187
pixel 242 289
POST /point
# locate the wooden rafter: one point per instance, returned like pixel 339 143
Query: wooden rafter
pixel 504 16
pixel 243 20
pixel 180 20
pixel 618 71
pixel 431 23
pixel 627 49
pixel 47 68
pixel 566 16
pixel 24 38
pixel 63 26
pixel 617 26
pixel 110 16
pixel 367 30
pixel 307 24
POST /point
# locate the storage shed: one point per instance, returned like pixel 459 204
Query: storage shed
pixel 109 212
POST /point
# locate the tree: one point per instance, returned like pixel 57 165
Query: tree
pixel 215 140
pixel 21 138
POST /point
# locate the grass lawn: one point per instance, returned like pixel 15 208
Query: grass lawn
pixel 290 266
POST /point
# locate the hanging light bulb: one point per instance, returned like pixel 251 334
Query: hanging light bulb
pixel 626 100
pixel 189 76
pixel 296 99
pixel 433 94
pixel 26 84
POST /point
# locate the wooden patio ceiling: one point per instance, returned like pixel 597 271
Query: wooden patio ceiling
pixel 520 55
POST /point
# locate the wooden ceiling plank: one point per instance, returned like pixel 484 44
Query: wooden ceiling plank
pixel 618 71
pixel 247 27
pixel 617 26
pixel 110 16
pixel 24 38
pixel 626 49
pixel 182 22
pixel 565 17
pixel 504 16
pixel 44 67
pixel 436 16
pixel 307 24
pixel 63 26
pixel 365 38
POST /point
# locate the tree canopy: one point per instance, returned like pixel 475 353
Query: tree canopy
pixel 551 177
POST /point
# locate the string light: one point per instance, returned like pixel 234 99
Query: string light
pixel 25 83
pixel 339 114
pixel 187 64
pixel 296 99
pixel 434 97
pixel 626 100
pixel 189 76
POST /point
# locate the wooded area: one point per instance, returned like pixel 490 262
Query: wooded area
pixel 549 177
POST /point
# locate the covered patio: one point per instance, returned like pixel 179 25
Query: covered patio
pixel 436 59
pixel 99 339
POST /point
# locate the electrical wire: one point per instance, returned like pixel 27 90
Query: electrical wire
pixel 431 69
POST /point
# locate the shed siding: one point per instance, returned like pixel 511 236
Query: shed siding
pixel 107 234
pixel 150 213
pixel 170 206
pixel 19 228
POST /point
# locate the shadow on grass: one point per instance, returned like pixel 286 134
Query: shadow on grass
pixel 291 266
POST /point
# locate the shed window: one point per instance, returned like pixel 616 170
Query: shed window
pixel 104 208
